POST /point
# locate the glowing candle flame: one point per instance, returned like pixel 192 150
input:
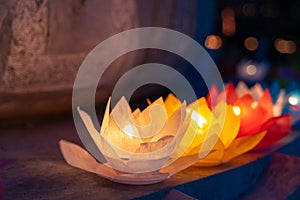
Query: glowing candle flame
pixel 293 100
pixel 201 121
pixel 129 129
pixel 254 104
pixel 236 110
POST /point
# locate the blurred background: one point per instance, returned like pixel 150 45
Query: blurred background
pixel 43 42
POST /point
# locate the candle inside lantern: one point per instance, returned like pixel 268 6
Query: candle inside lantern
pixel 148 137
pixel 293 105
pixel 258 113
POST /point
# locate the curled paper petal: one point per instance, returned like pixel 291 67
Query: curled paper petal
pixel 78 157
pixel 242 145
pixel 278 128
pixel 253 113
pixel 241 89
pixel 129 153
pixel 172 104
pixel 231 124
pixel 200 118
pixel 146 126
pixel 214 157
pixel 278 106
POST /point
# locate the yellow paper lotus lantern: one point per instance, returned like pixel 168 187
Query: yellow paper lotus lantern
pixel 223 121
pixel 139 146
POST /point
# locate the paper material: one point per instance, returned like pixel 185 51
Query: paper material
pixel 78 157
pixel 129 153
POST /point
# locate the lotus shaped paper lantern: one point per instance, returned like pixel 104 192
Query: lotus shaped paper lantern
pixel 223 121
pixel 138 146
pixel 258 113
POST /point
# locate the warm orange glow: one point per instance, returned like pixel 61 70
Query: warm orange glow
pixel 285 46
pixel 251 43
pixel 236 110
pixel 201 121
pixel 213 42
pixel 254 104
pixel 128 129
pixel 228 22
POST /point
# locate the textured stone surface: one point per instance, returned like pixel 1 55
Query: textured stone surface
pixel 5 35
pixel 280 180
pixel 28 41
pixel 42 42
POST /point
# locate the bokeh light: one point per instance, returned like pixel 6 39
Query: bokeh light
pixel 213 42
pixel 285 46
pixel 250 70
pixel 251 43
pixel 228 22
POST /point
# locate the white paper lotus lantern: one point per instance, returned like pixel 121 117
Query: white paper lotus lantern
pixel 138 146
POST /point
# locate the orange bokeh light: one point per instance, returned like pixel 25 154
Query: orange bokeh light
pixel 213 42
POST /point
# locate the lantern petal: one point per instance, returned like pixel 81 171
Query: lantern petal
pixel 180 164
pixel 80 158
pixel 148 123
pixel 200 105
pixel 186 145
pixel 172 104
pixel 145 116
pixel 172 124
pixel 256 91
pixel 253 114
pixel 191 141
pixel 241 89
pixel 279 127
pixel 214 157
pixel 212 96
pixel 230 121
pixel 200 119
pixel 242 145
pixel 95 135
pixel 249 118
pixel 105 120
pixel 278 106
pixel 156 159
pixel 231 95
pixel 136 114
pixel 116 157
pixel 266 103
pixel 109 151
pixel 122 139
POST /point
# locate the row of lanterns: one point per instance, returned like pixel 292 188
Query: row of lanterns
pixel 168 136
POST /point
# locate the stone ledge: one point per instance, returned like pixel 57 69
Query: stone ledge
pixel 37 170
